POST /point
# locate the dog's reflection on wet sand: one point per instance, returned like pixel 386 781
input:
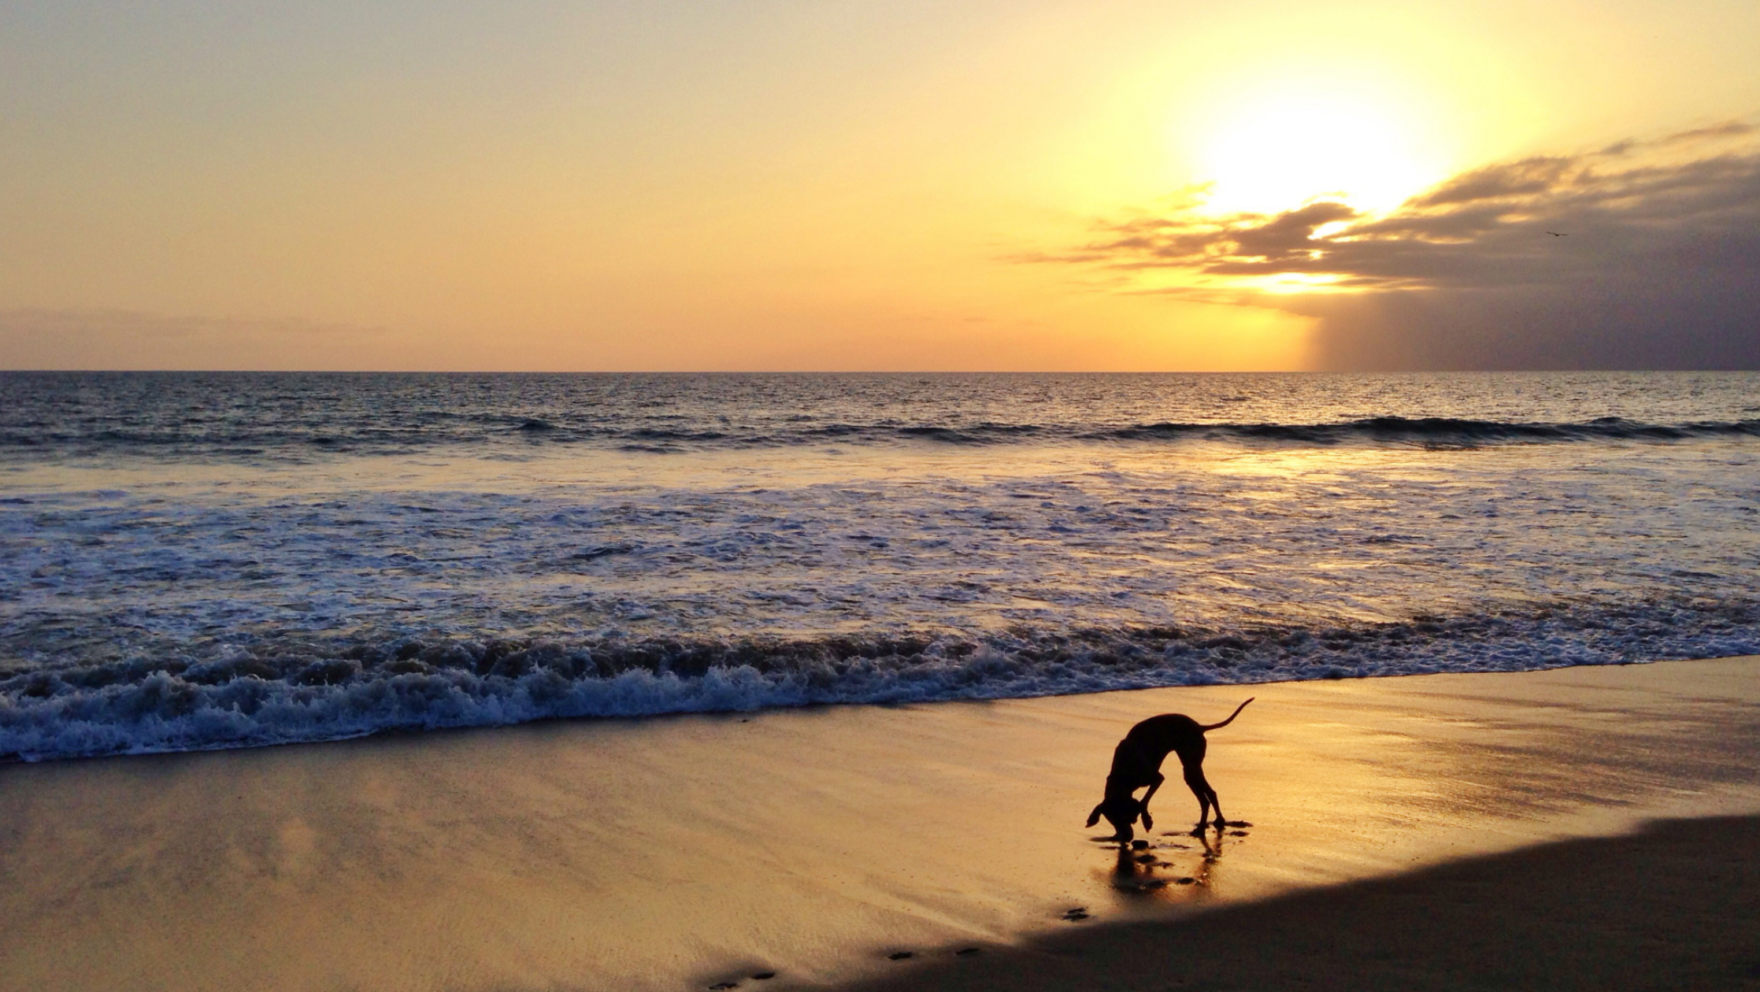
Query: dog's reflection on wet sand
pixel 1146 866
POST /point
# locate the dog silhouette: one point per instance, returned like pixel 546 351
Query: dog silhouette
pixel 1136 763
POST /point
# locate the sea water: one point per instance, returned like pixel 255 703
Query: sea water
pixel 204 560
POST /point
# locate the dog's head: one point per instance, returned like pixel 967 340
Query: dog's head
pixel 1121 812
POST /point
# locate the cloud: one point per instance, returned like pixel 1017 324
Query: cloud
pixel 1643 254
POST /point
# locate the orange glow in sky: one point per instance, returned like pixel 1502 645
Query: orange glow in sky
pixel 550 186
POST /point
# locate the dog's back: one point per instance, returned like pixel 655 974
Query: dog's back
pixel 1137 759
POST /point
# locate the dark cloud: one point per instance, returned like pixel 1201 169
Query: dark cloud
pixel 1500 182
pixel 1655 262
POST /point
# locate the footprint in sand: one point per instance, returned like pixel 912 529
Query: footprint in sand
pixel 722 986
pixel 900 955
pixel 968 951
pixel 763 976
pixel 1076 915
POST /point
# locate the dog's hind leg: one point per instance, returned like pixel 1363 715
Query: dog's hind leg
pixel 1195 781
pixel 1216 804
pixel 1206 796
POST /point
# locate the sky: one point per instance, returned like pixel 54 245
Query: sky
pixel 788 185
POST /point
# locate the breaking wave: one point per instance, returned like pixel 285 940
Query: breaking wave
pixel 250 695
pixel 1443 430
pixel 291 442
pixel 293 417
pixel 461 553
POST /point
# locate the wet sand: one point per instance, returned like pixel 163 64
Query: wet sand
pixel 685 852
pixel 1676 906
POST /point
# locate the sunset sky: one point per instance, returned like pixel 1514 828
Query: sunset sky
pixel 780 185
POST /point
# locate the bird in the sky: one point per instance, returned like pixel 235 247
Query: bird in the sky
pixel 1557 235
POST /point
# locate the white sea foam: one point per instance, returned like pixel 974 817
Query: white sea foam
pixel 213 601
pixel 245 700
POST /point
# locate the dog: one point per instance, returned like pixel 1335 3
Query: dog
pixel 1136 763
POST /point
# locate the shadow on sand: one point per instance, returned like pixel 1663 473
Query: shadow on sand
pixel 1676 906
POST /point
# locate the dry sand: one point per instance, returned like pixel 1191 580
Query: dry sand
pixel 678 853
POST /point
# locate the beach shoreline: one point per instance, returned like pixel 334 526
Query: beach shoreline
pixel 695 850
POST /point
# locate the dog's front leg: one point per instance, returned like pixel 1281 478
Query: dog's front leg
pixel 1154 783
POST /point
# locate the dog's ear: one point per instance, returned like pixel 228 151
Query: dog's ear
pixel 1148 821
pixel 1094 817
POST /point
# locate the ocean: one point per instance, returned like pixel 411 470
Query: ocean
pixel 203 560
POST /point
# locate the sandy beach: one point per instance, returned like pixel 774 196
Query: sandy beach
pixel 1676 906
pixel 817 844
pixel 690 497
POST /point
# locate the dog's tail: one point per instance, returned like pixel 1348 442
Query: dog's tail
pixel 1231 716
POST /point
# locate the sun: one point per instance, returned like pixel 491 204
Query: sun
pixel 1278 152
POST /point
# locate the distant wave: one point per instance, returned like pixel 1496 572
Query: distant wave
pixel 1441 430
pixel 296 442
pixel 267 696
